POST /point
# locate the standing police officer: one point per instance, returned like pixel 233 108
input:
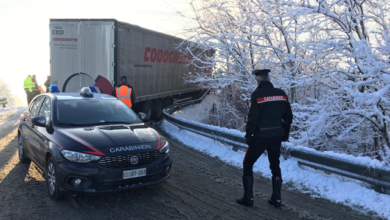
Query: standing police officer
pixel 269 121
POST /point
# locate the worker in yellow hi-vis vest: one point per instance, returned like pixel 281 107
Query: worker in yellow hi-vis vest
pixel 29 88
pixel 125 92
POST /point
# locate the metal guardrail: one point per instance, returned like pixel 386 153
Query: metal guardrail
pixel 380 178
pixel 3 101
pixel 182 100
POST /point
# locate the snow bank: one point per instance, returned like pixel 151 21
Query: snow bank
pixel 9 111
pixel 6 113
pixel 6 110
pixel 319 184
pixel 193 114
pixel 198 112
pixel 215 128
pixel 359 160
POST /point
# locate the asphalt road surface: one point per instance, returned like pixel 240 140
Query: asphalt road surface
pixel 201 187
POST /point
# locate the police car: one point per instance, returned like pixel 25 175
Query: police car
pixel 91 143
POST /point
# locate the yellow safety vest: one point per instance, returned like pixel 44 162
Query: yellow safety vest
pixel 28 84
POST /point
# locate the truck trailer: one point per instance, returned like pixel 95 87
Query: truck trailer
pixel 85 52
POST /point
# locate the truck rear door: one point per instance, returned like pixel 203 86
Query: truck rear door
pixel 82 54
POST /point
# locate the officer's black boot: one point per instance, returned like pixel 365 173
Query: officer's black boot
pixel 248 191
pixel 276 198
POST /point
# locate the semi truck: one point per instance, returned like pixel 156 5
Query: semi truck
pixel 98 52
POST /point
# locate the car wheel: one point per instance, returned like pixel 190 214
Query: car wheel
pixel 52 180
pixel 21 151
pixel 158 110
pixel 148 110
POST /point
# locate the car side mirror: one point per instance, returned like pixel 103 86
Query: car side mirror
pixel 39 121
pixel 142 116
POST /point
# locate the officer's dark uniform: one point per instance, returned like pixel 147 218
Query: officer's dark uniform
pixel 269 121
pixel 47 84
pixel 36 89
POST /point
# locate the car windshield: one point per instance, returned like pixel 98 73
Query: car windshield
pixel 94 112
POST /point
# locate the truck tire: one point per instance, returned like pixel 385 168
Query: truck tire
pixel 157 111
pixel 168 102
pixel 148 110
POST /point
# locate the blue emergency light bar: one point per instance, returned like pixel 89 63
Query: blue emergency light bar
pixel 54 89
pixel 93 89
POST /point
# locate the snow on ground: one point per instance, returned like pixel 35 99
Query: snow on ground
pixel 198 112
pixel 319 184
pixel 195 115
pixel 10 111
pixel 6 112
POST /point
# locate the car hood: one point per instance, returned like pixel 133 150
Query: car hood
pixel 110 140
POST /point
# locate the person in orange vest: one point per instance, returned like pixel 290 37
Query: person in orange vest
pixel 125 93
pixel 41 89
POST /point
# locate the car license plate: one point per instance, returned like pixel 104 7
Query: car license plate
pixel 128 174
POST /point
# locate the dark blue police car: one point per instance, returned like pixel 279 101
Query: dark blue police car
pixel 91 143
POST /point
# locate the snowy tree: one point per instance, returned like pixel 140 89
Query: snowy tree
pixel 355 107
pixel 332 57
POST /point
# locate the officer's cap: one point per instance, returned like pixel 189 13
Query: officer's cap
pixel 263 72
pixel 123 77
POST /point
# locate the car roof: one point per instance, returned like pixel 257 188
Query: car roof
pixel 77 96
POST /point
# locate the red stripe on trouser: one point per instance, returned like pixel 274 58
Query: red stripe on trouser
pixel 245 154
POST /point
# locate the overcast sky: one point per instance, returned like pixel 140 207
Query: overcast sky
pixel 24 29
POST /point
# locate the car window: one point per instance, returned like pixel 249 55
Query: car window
pixel 46 109
pixel 86 112
pixel 30 107
pixel 36 105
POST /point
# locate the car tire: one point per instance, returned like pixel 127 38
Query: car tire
pixel 157 111
pixel 21 151
pixel 52 180
pixel 148 110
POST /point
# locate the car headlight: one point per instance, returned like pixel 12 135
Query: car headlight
pixel 79 157
pixel 165 149
pixel 163 145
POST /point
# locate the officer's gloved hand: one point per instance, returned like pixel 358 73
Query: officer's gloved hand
pixel 249 140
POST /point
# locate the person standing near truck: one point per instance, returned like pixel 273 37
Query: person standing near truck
pixel 29 88
pixel 269 121
pixel 47 84
pixel 36 87
pixel 125 93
